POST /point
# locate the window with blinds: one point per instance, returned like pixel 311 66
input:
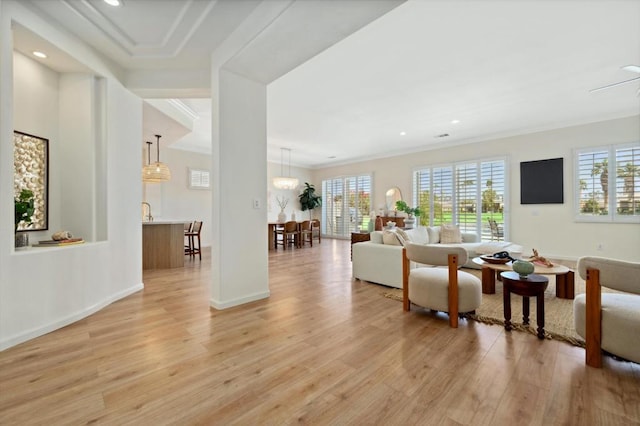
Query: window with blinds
pixel 467 194
pixel 442 188
pixel 346 205
pixel 466 181
pixel 608 184
pixel 199 179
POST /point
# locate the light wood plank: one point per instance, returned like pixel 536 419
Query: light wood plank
pixel 323 349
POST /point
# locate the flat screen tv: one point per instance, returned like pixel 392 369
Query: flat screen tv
pixel 541 182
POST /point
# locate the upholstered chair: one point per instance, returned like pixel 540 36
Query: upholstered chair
pixel 441 287
pixel 609 321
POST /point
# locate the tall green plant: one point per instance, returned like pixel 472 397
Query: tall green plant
pixel 24 208
pixel 308 198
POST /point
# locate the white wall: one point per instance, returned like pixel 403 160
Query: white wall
pixel 174 200
pixel 239 251
pixel 550 228
pixel 36 89
pixel 44 289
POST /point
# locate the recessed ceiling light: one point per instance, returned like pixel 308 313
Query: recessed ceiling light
pixel 113 2
pixel 632 68
pixel 455 121
pixel 39 54
pixel 403 133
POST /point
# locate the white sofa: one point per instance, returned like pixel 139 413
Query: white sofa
pixel 381 263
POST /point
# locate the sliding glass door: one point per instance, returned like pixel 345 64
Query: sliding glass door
pixel 346 203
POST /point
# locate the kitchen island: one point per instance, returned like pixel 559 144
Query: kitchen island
pixel 162 244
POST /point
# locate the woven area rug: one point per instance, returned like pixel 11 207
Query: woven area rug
pixel 558 316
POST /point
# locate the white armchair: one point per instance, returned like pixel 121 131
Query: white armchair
pixel 440 289
pixel 609 321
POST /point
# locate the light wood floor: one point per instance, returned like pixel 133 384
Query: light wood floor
pixel 323 349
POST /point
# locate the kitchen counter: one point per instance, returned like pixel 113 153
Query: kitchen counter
pixel 163 244
pixel 167 222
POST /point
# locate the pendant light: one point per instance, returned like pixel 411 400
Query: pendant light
pixel 156 172
pixel 285 182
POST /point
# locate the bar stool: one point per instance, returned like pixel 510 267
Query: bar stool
pixel 188 227
pixel 193 235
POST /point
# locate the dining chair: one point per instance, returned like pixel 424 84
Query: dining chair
pixel 194 235
pixel 288 234
pixel 315 230
pixel 306 233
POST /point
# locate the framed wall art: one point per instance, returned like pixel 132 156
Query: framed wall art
pixel 541 181
pixel 31 171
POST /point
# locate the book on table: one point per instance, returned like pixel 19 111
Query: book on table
pixel 55 243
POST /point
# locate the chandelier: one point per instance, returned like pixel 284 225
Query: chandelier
pixel 285 182
pixel 156 172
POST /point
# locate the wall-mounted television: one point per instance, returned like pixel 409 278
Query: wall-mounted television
pixel 541 182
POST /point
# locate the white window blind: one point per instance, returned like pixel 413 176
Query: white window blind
pixel 199 179
pixel 346 205
pixel 608 184
pixel 422 194
pixel 442 206
pixel 467 194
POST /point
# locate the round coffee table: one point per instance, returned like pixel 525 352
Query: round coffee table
pixel 565 277
pixel 531 286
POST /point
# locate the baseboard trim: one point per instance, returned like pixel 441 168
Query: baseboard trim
pixel 217 304
pixel 70 319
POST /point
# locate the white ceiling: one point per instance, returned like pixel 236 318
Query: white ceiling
pixel 500 67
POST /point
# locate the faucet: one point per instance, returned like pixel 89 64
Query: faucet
pixel 148 217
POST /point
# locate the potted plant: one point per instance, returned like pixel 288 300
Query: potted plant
pixel 308 198
pixel 24 209
pixel 410 211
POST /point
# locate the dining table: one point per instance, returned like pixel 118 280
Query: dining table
pixel 271 229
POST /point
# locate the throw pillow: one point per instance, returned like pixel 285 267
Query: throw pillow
pixel 404 236
pixel 390 237
pixel 450 234
pixel 418 235
pixel 434 234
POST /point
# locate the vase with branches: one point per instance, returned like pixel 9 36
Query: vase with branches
pixel 282 216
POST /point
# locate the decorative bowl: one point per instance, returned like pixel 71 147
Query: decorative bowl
pixel 496 260
pixel 523 268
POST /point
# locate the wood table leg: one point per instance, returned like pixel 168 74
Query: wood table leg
pixel 271 232
pixel 506 301
pixel 525 310
pixel 540 315
pixel 565 285
pixel 488 281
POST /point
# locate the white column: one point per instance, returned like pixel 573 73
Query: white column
pixel 239 170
